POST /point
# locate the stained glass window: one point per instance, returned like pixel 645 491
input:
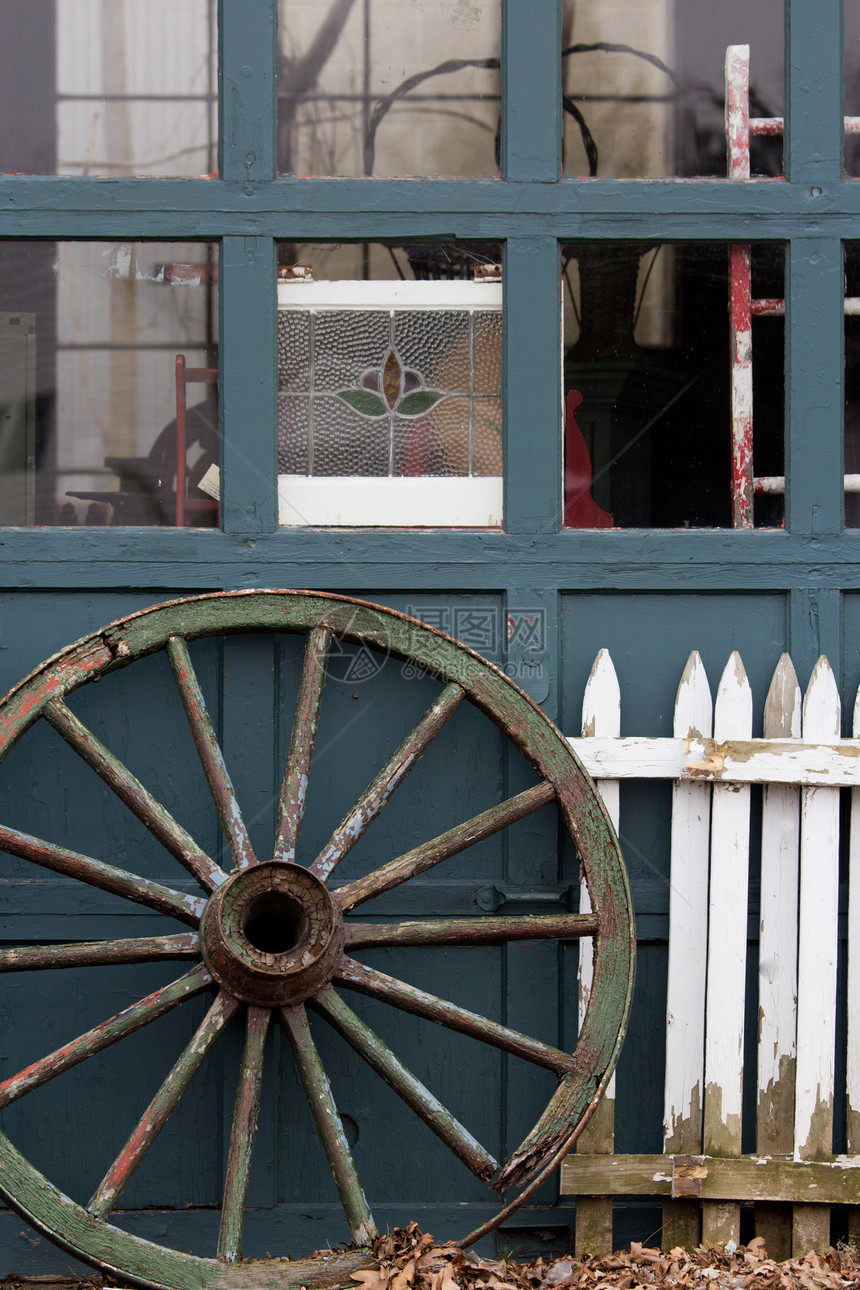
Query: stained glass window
pixel 393 382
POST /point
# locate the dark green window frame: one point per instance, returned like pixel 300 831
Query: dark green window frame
pixel 530 209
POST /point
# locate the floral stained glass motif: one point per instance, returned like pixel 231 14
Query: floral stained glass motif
pixel 389 392
pixel 391 388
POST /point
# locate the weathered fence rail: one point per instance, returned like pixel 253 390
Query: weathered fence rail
pixel 702 1175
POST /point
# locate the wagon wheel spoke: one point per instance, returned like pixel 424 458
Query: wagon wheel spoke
pixel 103 1035
pixel 446 844
pixel 471 931
pixel 356 976
pixel 209 751
pixel 291 808
pixel 383 785
pixel 242 1136
pixel 188 909
pixel 139 949
pixel 329 1125
pixel 161 1107
pixel 139 801
pixel 374 1051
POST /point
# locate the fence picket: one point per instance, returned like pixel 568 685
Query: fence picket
pixel 601 715
pixel 816 959
pixel 727 945
pixel 688 938
pixel 852 1077
pixel 780 843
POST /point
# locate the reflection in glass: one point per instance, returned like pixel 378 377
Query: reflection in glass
pixel 119 88
pixel 653 402
pixel 644 84
pixel 108 358
pixel 852 89
pixel 395 380
pixel 388 87
pixel 852 384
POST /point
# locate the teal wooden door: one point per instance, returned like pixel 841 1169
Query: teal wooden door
pixel 664 577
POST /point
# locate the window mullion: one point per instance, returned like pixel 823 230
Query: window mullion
pixel 531 90
pixel 248 134
pixel 248 384
pixel 531 385
pixel 815 294
pixel 247 73
pixel 813 91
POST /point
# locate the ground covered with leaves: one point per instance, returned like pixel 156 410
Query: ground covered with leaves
pixel 409 1259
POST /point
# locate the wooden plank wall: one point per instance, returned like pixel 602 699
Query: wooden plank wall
pixel 702 1174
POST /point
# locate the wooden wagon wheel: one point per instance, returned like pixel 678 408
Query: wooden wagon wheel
pixel 269 938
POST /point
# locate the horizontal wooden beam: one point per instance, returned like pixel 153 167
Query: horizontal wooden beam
pixel 611 1175
pixel 750 761
pixel 363 207
pixel 825 1182
pixel 576 560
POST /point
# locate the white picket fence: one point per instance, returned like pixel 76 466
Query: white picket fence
pixel 713 760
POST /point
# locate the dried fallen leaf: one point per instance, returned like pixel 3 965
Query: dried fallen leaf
pixel 373 1280
pixel 403 1279
pixel 558 1272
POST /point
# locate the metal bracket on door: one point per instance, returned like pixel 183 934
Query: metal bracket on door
pixel 495 897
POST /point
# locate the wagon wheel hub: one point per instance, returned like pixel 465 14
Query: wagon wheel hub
pixel 272 935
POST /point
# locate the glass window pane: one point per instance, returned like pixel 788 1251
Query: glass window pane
pixel 653 400
pixel 644 84
pixel 852 89
pixel 124 88
pixel 852 384
pixel 388 87
pixel 108 355
pixel 389 385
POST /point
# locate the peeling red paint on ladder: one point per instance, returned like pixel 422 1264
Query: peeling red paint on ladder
pixel 740 305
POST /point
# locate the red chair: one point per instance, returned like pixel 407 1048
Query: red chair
pixel 186 376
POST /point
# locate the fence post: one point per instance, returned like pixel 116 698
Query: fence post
pixel 818 931
pixel 688 939
pixel 601 715
pixel 852 1080
pixel 727 953
pixel 780 842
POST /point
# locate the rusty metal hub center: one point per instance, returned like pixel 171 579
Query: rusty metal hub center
pixel 272 934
